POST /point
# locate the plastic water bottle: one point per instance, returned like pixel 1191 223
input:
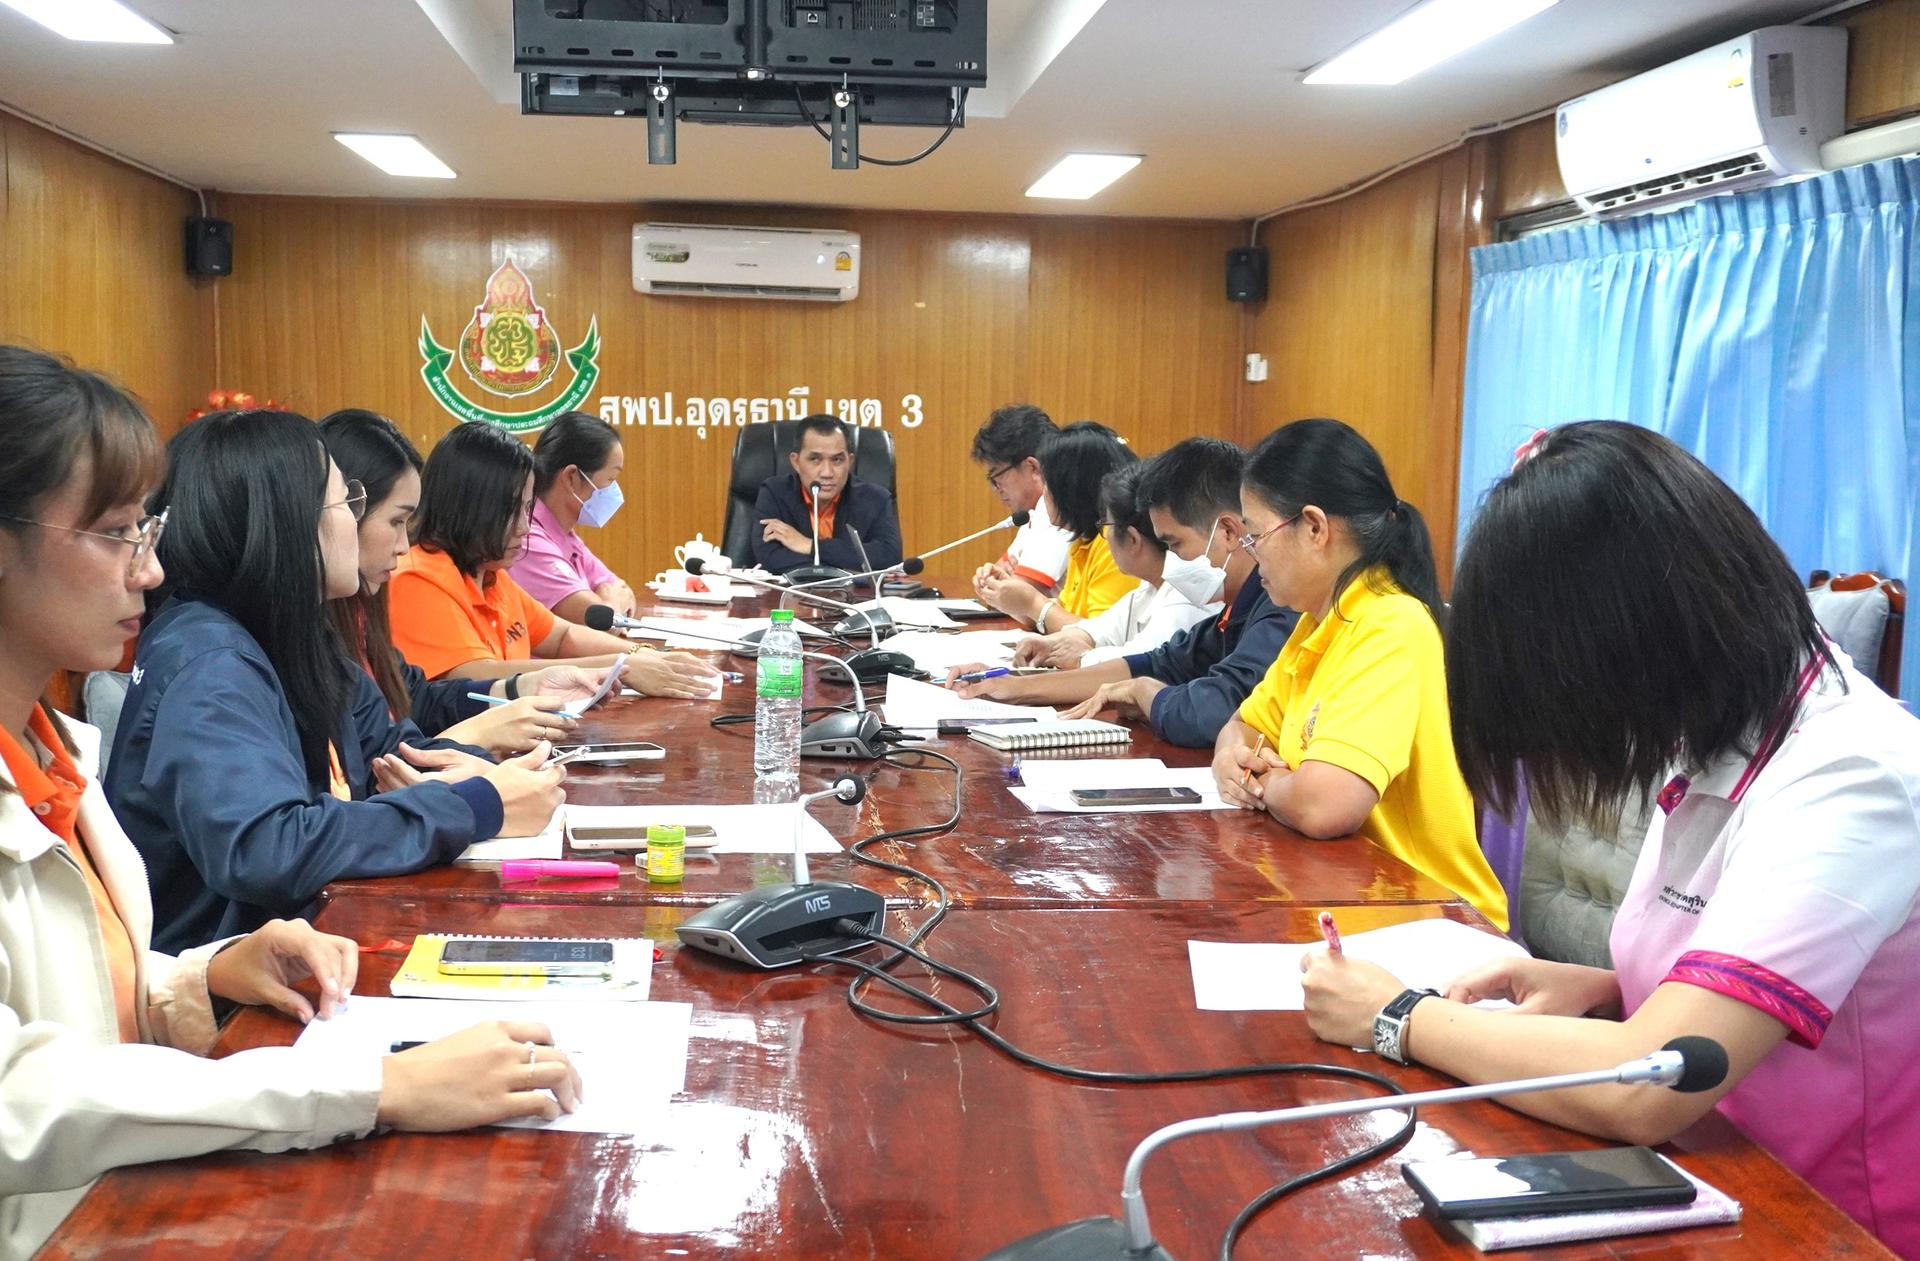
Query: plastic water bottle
pixel 776 715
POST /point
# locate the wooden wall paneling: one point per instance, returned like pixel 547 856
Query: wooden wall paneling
pixel 1124 322
pixel 1468 177
pixel 1349 322
pixel 1883 61
pixel 1529 169
pixel 91 254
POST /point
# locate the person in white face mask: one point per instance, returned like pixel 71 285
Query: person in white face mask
pixel 576 481
pixel 1190 686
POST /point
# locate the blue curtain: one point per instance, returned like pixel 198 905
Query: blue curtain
pixel 1774 334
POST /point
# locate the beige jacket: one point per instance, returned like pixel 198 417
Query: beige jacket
pixel 74 1100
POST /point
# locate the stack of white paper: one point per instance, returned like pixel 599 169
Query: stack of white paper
pixel 937 653
pixel 745 829
pixel 913 705
pixel 905 612
pixel 543 844
pixel 1262 976
pixel 632 1057
pixel 1047 786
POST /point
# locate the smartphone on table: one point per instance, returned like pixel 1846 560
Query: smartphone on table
pixel 1551 1182
pixel 1135 797
pixel 480 956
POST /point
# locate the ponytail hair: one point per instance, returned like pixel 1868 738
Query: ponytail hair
pixel 1329 465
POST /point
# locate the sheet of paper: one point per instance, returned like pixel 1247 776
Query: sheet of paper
pixel 543 844
pixel 959 606
pixel 632 1057
pixel 1055 793
pixel 920 706
pixel 607 684
pixel 1265 976
pixel 744 829
pixel 905 612
pixel 937 652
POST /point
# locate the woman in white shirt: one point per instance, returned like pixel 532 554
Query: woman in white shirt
pixel 1146 617
pixel 103 1040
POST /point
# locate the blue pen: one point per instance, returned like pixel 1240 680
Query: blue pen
pixel 733 676
pixel 981 676
pixel 484 699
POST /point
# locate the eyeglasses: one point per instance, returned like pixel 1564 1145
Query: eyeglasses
pixel 145 536
pixel 993 477
pixel 1251 541
pixel 356 500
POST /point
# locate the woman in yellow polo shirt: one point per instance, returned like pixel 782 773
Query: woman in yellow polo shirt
pixel 1073 463
pixel 456 612
pixel 1350 730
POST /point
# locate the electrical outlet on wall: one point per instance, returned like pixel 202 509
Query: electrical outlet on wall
pixel 1256 367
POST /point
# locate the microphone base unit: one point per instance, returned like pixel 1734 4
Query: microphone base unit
pixel 873 665
pixel 781 925
pixel 823 575
pixel 1092 1239
pixel 844 736
pixel 856 626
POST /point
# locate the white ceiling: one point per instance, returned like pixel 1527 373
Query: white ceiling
pixel 1208 90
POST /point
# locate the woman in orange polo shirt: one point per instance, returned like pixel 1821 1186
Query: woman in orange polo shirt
pixel 455 610
pixel 79 984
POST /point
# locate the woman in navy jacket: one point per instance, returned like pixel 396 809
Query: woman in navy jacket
pixel 245 764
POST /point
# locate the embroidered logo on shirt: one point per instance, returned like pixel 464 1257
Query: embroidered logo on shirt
pixel 1306 728
pixel 1686 903
pixel 516 631
pixel 1673 794
pixel 139 672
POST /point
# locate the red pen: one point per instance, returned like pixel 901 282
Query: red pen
pixel 548 869
pixel 1328 931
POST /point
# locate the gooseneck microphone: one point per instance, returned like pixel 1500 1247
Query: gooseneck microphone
pixel 813 499
pixel 775 926
pixel 911 565
pixel 1012 522
pixel 1688 1065
pixel 834 735
pixel 826 575
pixel 873 664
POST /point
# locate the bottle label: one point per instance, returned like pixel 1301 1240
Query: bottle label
pixel 780 677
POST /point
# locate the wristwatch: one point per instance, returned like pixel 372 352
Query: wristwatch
pixel 1390 1026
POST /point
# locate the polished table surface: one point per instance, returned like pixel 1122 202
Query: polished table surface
pixel 807 1132
pixel 1000 855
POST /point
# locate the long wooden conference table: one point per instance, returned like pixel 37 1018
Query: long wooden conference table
pixel 808 1131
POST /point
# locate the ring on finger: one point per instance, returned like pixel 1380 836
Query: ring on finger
pixel 533 1053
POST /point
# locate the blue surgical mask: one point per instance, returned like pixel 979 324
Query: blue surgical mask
pixel 598 508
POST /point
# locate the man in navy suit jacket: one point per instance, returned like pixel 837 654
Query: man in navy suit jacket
pixel 785 510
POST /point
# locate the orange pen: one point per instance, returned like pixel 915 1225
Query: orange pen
pixel 1258 744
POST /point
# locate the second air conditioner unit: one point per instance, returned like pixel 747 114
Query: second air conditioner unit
pixel 799 264
pixel 1752 111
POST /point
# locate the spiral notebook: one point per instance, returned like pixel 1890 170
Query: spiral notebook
pixel 1064 734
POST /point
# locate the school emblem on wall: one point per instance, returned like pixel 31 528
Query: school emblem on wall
pixel 510 349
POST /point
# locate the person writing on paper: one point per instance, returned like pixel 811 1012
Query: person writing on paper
pixel 455 610
pixel 1007 447
pixel 577 462
pixel 1774 905
pixel 1143 619
pixel 1349 730
pixel 1072 464
pixel 103 1039
pixel 848 506
pixel 1188 687
pixel 251 748
pixel 371 450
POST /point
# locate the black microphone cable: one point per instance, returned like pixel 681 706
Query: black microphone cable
pixel 942 1012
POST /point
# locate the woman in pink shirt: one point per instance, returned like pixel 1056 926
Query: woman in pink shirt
pixel 1623 627
pixel 576 481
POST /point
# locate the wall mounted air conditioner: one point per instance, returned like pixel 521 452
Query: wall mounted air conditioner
pixel 801 264
pixel 1754 110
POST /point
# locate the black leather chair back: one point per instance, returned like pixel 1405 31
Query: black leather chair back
pixel 761 451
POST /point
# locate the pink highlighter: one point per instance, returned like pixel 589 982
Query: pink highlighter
pixel 550 869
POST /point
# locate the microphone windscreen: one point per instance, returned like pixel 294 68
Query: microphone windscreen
pixel 1022 517
pixel 814 490
pixel 1706 1064
pixel 696 565
pixel 850 788
pixel 912 565
pixel 599 617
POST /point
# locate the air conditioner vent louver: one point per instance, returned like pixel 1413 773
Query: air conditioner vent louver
pixel 1696 179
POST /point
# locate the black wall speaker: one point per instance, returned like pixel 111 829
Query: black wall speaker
pixel 1247 274
pixel 209 247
